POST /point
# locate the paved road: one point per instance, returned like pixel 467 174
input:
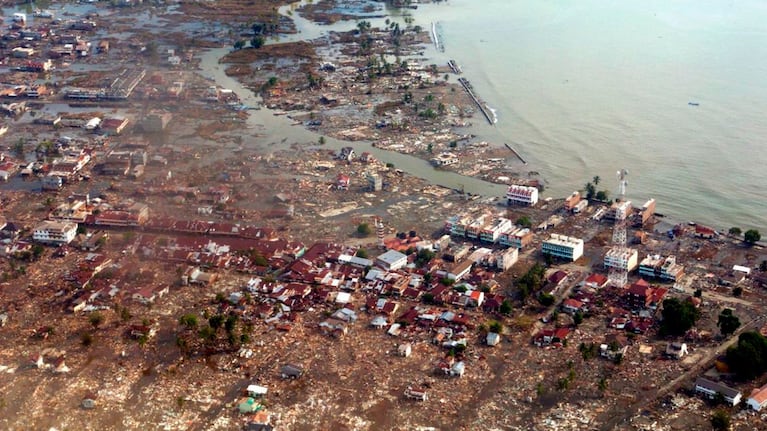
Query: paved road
pixel 671 386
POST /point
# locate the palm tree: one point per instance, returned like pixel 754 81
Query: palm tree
pixel 596 180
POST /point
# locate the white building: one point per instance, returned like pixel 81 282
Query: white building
pixel 391 260
pixel 621 258
pixel 710 390
pixel 522 194
pixel 53 232
pixel 758 398
pixel 665 269
pixel 565 247
pixel 493 231
pixel 506 259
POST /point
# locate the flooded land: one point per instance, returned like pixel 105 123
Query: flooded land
pixel 284 216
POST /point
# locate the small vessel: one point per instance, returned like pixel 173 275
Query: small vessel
pixel 693 103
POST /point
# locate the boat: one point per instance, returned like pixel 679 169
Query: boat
pixel 693 103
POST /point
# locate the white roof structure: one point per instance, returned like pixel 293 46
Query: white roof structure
pixel 739 268
pixel 257 390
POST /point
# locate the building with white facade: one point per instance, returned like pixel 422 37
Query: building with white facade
pixel 626 259
pixel 619 211
pixel 391 260
pixel 758 398
pixel 710 389
pixel 473 230
pixel 665 269
pixel 492 231
pixel 53 232
pixel 517 238
pixel 522 195
pixel 563 247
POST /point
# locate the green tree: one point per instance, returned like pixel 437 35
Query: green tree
pixel 602 384
pixel 728 323
pixel 678 316
pixel 578 318
pixel 230 323
pixel 546 299
pixel 362 253
pixel 590 190
pixel 748 358
pixel 239 44
pixel 37 251
pixel 216 321
pixel 735 231
pixel 207 333
pixel 596 180
pixel 752 236
pixel 423 256
pixel 505 307
pixel 96 319
pixel 428 298
pixel 364 229
pixel 737 292
pixel 763 266
pixel 189 320
pixel 257 42
pixel 524 221
pixel 602 195
pixel 698 293
pixel 720 420
pixel 495 326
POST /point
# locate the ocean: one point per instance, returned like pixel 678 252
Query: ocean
pixel 672 91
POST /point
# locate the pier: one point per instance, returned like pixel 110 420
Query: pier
pixel 489 116
pixel 515 153
pixel 454 67
pixel 435 38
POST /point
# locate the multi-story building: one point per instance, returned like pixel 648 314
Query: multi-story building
pixel 618 211
pixel 621 258
pixel 572 201
pixel 517 238
pixel 456 225
pixel 53 232
pixel 648 209
pixel 522 195
pixel 665 269
pixel 473 230
pixel 564 247
pixel 491 232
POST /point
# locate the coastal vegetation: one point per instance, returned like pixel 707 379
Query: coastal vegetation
pixel 752 236
pixel 591 192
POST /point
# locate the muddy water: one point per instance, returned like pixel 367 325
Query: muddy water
pixel 272 132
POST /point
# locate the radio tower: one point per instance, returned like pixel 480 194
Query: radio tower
pixel 618 275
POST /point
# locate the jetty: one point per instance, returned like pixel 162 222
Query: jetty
pixel 516 153
pixel 454 67
pixel 489 116
pixel 437 43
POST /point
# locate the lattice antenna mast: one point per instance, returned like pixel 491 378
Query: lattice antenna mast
pixel 618 276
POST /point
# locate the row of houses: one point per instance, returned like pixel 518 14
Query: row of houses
pixel 489 229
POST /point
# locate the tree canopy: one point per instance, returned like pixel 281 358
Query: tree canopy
pixel 728 323
pixel 678 317
pixel 748 359
pixel 752 236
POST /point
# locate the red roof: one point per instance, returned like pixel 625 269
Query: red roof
pixel 598 279
pixel 557 277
